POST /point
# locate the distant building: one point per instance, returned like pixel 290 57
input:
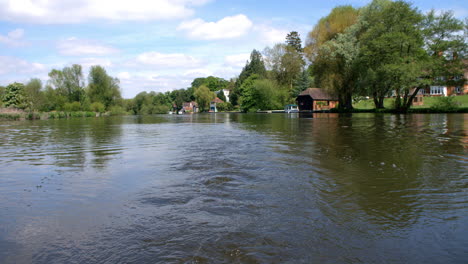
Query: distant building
pixel 190 107
pixel 316 99
pixel 226 93
pixel 213 104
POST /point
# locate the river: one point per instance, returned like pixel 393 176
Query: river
pixel 235 188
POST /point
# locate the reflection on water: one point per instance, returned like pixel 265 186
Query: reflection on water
pixel 235 188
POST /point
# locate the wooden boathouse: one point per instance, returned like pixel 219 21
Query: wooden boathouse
pixel 316 99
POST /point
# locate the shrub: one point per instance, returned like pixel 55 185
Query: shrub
pixel 117 110
pixel 72 107
pixel 10 116
pixel 160 109
pixel 224 107
pixel 445 104
pixel 98 107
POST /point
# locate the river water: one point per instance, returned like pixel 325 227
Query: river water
pixel 235 188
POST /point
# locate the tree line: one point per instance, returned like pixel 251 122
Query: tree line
pixel 386 48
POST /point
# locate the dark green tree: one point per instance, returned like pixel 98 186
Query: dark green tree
pixel 102 87
pixel 221 96
pixel 203 96
pixel 34 96
pixel 293 39
pixel 14 96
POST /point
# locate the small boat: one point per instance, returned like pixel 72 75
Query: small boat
pixel 291 108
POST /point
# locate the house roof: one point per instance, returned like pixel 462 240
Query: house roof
pixel 217 100
pixel 190 104
pixel 318 94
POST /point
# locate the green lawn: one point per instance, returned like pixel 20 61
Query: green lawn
pixel 462 101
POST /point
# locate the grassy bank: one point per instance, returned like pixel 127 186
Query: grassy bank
pixel 21 115
pixel 452 104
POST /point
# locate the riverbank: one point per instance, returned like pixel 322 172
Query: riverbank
pixel 9 114
pixel 410 111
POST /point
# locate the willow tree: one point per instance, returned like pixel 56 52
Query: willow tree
pixel 339 19
pixel 203 96
pixel 332 49
pixel 336 67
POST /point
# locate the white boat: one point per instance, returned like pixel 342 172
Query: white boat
pixel 291 108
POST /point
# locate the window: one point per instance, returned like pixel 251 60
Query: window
pixel 458 90
pixel 437 90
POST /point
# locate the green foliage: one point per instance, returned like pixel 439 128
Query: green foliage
pixel 72 107
pixel 68 82
pixel 293 39
pixel 262 94
pixel 339 19
pixel 213 83
pixel 445 104
pixel 203 96
pixel 224 107
pixel 14 96
pixel 34 97
pixel 285 64
pixel 303 82
pixel 102 87
pixel 8 116
pixel 98 107
pixel 256 65
pixel 117 110
pixel 221 96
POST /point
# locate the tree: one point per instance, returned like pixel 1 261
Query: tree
pixel 2 93
pixel 102 87
pixel 74 82
pixel 222 96
pixel 336 66
pixel 285 64
pixel 446 47
pixel 256 65
pixel 293 39
pixel 213 83
pixel 339 19
pixel 303 82
pixel 203 96
pixel 14 96
pixel 392 52
pixel 68 82
pixel 34 97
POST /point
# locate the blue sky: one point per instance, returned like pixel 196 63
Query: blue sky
pixel 154 45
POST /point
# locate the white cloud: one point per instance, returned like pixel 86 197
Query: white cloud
pixel 88 62
pixel 13 38
pixel 226 28
pixel 269 35
pixel 59 11
pixel 237 60
pixel 81 47
pixel 171 60
pixel 196 73
pixel 13 65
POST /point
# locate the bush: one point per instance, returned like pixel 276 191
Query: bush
pixel 98 107
pixel 445 104
pixel 117 110
pixel 160 109
pixel 222 107
pixel 10 116
pixel 72 107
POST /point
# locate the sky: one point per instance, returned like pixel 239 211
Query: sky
pixel 155 45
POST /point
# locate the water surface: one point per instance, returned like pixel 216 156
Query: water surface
pixel 235 188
